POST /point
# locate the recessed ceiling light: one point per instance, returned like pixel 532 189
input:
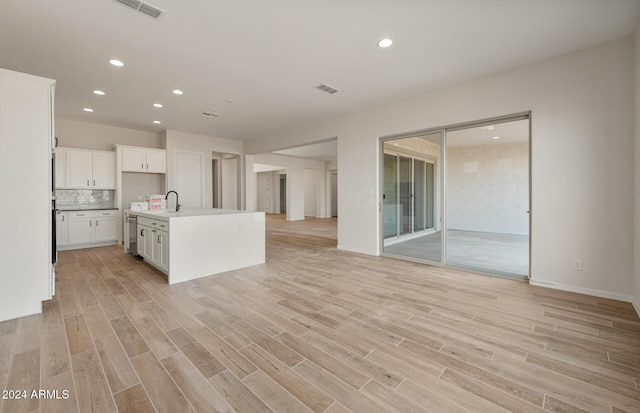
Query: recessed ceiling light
pixel 496 137
pixel 116 62
pixel 157 105
pixel 385 43
pixel 177 91
pixel 99 92
pixel 230 101
pixel 157 122
pixel 87 109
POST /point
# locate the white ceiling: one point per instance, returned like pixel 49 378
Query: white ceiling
pixel 268 56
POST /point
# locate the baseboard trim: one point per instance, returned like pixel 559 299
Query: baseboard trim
pixel 636 305
pixel 359 251
pixel 586 291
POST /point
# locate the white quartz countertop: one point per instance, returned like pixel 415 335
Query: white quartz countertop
pixel 188 212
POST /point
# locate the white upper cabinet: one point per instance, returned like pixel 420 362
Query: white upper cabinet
pixel 156 160
pixel 104 170
pixel 136 159
pixel 83 169
pixel 79 169
pixel 133 159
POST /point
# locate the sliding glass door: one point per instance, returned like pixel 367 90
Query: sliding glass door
pixel 460 196
pixel 487 203
pixel 410 196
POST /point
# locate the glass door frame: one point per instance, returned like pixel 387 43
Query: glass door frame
pixel 441 170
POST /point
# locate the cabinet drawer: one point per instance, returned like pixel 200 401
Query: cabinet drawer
pixel 92 214
pixel 153 223
pixel 80 215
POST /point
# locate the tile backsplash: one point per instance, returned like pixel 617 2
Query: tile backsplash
pixel 85 198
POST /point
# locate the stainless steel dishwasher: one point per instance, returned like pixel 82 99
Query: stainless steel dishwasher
pixel 130 234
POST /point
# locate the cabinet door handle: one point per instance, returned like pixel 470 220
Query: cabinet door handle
pixel 97 222
pixel 147 166
pixel 94 182
pixel 159 237
pixel 142 232
pixel 63 218
pixel 90 223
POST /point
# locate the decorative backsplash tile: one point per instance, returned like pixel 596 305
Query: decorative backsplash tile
pixel 85 199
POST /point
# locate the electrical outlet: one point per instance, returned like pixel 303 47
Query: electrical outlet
pixel 577 264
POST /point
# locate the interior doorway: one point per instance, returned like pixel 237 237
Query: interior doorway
pixel 459 196
pixel 215 183
pixel 333 193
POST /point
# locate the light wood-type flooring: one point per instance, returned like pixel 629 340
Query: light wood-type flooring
pixel 317 330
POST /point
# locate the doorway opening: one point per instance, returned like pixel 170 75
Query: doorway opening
pixel 226 182
pixel 215 182
pixel 460 196
pixel 283 193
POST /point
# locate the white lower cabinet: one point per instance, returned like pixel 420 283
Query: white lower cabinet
pixel 62 229
pixel 91 227
pixel 153 242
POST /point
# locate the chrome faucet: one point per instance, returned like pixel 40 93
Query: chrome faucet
pixel 177 202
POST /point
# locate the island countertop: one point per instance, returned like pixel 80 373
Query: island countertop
pixel 166 215
pixel 197 242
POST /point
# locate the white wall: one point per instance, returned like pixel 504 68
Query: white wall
pixel 488 188
pixel 85 135
pixel 582 154
pixel 177 140
pixel 311 192
pixel 636 163
pixel 25 178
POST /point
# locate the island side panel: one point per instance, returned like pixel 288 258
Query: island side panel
pixel 211 244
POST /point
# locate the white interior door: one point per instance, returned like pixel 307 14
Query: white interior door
pixel 189 179
pixel 229 182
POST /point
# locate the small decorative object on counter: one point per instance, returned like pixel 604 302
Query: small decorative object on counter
pixel 139 206
pixel 156 202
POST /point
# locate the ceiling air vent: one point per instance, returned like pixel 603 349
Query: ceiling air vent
pixel 210 115
pixel 142 7
pixel 326 88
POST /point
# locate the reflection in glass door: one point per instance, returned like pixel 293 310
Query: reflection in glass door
pixel 389 197
pixel 419 191
pixel 405 195
pixel 410 194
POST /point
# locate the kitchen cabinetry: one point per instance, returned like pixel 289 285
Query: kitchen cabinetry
pixel 92 227
pixel 62 229
pixel 153 242
pixel 83 169
pixel 135 159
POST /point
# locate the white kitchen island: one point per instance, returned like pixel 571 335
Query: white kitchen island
pixel 194 243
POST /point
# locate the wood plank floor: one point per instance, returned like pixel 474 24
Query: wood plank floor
pixel 316 330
